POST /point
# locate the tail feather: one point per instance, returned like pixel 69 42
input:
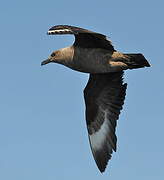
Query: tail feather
pixel 136 61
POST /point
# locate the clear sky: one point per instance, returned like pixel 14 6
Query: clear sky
pixel 42 123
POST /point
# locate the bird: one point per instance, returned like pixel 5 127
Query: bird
pixel 105 92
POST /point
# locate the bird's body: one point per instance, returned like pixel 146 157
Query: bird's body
pixel 94 60
pixel 105 91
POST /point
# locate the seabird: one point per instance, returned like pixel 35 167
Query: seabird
pixel 105 91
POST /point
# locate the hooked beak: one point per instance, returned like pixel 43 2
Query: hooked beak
pixel 46 61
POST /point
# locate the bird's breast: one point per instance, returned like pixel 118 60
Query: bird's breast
pixel 90 60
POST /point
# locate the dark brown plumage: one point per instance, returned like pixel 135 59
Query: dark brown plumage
pixel 83 38
pixel 105 91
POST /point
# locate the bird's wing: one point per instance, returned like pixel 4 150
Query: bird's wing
pixel 83 38
pixel 104 97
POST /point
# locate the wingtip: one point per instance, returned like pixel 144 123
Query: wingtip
pixel 102 170
pixel 49 32
pixel 148 64
pixel 102 162
pixel 60 29
pixel 102 167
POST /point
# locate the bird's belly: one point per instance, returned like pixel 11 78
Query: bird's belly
pixel 89 61
pixel 95 63
pixel 89 67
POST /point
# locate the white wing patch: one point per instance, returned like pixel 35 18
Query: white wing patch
pixel 98 138
pixel 59 31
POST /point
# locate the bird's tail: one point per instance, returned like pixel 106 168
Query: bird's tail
pixel 136 61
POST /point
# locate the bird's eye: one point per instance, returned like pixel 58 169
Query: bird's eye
pixel 53 54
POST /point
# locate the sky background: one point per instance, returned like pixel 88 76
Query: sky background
pixel 42 122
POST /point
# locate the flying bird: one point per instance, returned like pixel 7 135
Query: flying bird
pixel 105 91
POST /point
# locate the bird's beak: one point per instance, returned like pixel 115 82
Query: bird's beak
pixel 46 61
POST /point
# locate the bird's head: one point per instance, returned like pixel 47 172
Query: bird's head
pixel 55 57
pixel 62 56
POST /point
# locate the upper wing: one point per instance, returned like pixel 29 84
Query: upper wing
pixel 83 38
pixel 104 97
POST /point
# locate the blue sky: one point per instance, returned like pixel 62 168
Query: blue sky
pixel 42 123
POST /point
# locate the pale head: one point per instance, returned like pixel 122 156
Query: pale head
pixel 61 56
